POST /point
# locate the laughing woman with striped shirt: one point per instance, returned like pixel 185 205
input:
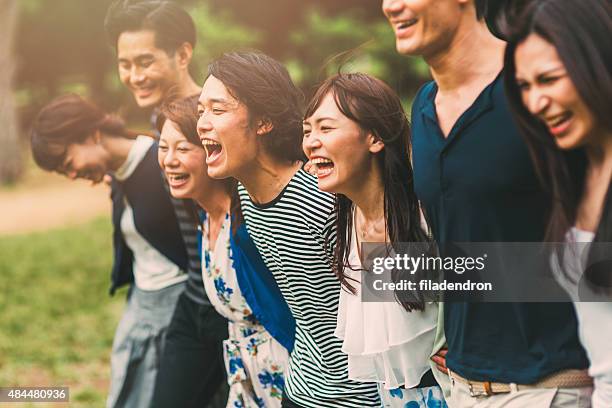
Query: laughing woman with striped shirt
pixel 251 127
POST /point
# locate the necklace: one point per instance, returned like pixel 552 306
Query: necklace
pixel 373 231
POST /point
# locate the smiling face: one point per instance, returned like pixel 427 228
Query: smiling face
pixel 87 160
pixel 182 162
pixel 147 71
pixel 550 95
pixel 223 126
pixel 423 27
pixel 340 151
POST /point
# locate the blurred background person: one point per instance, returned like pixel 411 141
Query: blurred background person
pixel 559 82
pixel 476 183
pixel 154 41
pixel 73 137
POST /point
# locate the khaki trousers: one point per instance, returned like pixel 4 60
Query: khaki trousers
pixel 530 398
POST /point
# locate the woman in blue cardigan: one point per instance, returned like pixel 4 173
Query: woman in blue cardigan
pixel 256 350
pixel 75 138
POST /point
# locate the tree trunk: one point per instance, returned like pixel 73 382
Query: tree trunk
pixel 10 152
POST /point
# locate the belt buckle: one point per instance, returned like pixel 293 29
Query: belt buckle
pixel 486 392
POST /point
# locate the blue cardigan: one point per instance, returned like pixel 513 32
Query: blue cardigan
pixel 154 218
pixel 259 287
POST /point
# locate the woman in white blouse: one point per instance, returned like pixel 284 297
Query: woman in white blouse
pixel 356 136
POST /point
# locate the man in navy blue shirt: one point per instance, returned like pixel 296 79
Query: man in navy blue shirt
pixel 476 183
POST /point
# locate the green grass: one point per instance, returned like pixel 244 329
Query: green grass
pixel 56 318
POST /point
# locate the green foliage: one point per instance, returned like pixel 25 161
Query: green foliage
pixel 349 41
pixel 30 6
pixel 217 33
pixel 57 318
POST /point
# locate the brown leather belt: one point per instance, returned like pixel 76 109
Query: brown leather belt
pixel 561 379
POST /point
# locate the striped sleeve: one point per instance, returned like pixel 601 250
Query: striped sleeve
pixel 295 235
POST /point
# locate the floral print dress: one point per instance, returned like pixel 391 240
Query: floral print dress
pixel 255 362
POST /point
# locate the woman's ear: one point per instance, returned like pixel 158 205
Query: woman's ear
pixel 375 143
pixel 264 126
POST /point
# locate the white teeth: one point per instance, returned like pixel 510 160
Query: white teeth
pixel 324 172
pixel 209 142
pixel 406 23
pixel 323 166
pixel 177 177
pixel 213 149
pixel 559 119
pixel 320 160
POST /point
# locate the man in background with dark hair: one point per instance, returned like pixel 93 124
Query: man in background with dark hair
pixel 154 41
pixel 476 183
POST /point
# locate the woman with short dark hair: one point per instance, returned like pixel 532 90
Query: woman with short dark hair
pixel 559 81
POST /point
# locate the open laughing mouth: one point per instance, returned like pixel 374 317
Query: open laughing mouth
pixel 402 26
pixel 559 123
pixel 324 167
pixel 213 150
pixel 144 92
pixel 176 180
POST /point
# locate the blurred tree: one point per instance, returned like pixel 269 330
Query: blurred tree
pixel 61 45
pixel 351 41
pixel 218 32
pixel 275 19
pixel 306 36
pixel 10 153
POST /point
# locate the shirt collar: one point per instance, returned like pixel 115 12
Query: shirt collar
pixel 481 104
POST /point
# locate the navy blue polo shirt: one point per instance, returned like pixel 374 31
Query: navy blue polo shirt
pixel 479 185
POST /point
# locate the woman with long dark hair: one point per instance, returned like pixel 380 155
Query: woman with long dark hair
pixel 357 137
pixel 75 138
pixel 254 360
pixel 559 82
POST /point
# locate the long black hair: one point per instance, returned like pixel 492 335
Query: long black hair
pixel 580 32
pixel 377 109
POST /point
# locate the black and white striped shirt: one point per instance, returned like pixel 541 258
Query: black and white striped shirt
pixel 291 233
